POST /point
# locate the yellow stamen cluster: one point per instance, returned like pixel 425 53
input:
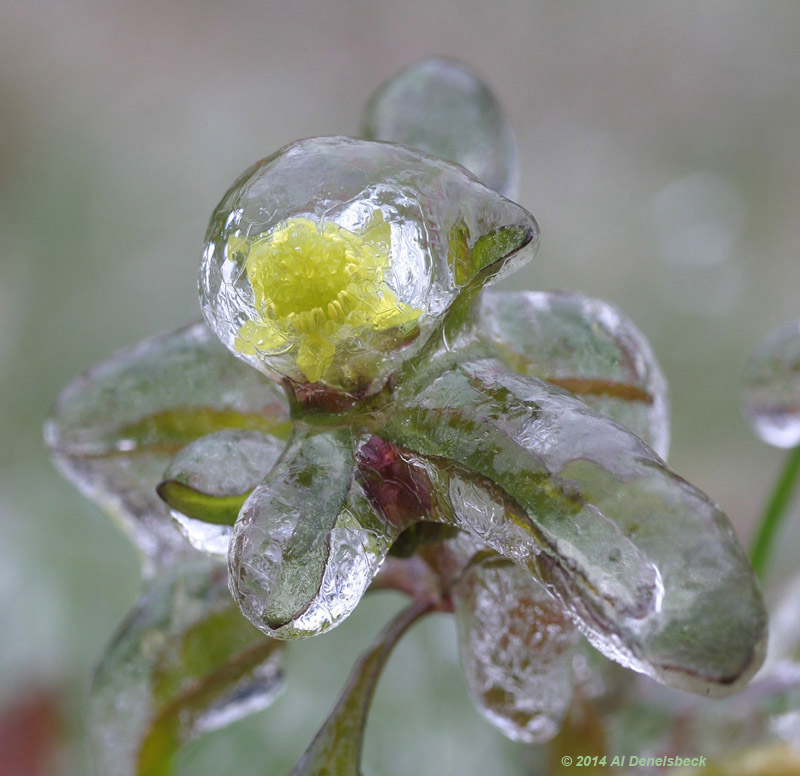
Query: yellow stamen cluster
pixel 316 286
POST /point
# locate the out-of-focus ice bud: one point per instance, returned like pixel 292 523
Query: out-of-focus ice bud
pixel 771 387
pixel 443 108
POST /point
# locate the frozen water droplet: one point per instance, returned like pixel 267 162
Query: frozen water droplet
pixel 516 648
pixel 443 108
pixel 226 463
pixel 771 387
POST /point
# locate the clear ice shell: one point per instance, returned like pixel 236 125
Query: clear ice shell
pixel 427 203
pixel 516 647
pixel 115 428
pixel 584 345
pixel 771 387
pixel 226 463
pixel 647 565
pixel 163 649
pixel 307 543
pixel 443 108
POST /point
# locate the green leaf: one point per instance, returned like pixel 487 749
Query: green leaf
pixel 498 245
pixel 647 565
pixel 114 430
pixel 488 252
pixel 498 251
pixel 184 662
pixel 209 480
pixel 172 429
pixel 219 510
pixel 336 749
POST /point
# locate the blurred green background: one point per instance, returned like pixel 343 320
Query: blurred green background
pixel 660 152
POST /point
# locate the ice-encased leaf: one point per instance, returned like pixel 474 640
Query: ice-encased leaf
pixel 115 428
pixel 771 387
pixel 516 648
pixel 184 662
pixel 334 259
pixel 209 480
pixel 583 345
pixel 443 108
pixel 307 542
pixel 648 566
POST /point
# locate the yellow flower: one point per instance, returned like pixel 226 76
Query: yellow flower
pixel 317 286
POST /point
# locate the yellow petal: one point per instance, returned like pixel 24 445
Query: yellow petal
pixel 314 357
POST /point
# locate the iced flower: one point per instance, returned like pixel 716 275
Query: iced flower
pixel 396 404
pixel 332 262
pixel 316 287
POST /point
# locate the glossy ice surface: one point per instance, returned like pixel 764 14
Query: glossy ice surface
pixel 591 510
pixel 115 429
pixel 226 465
pixel 516 646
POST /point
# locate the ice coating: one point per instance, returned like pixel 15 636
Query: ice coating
pixel 771 387
pixel 584 345
pixel 443 108
pixel 115 429
pixel 155 682
pixel 307 543
pixel 224 464
pixel 330 261
pixel 647 565
pixel 516 648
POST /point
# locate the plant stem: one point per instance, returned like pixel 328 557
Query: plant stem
pixel 337 746
pixel 775 512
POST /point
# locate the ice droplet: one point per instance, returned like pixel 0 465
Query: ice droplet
pixel 516 648
pixel 227 463
pixel 443 108
pixel 771 387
